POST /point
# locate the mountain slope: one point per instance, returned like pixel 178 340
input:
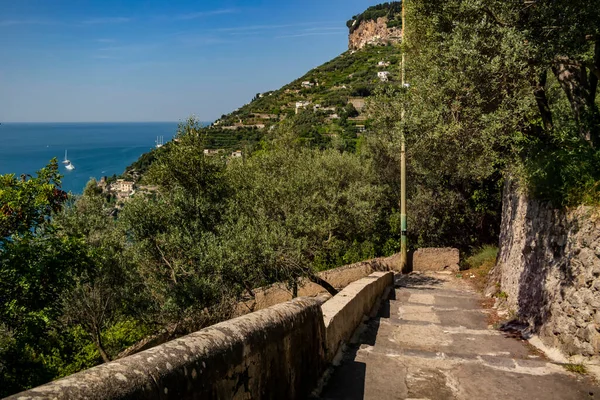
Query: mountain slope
pixel 323 106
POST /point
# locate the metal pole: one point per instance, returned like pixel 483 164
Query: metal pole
pixel 403 257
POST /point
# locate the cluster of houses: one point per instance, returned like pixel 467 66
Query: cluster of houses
pixel 216 152
pixel 383 76
pixel 121 188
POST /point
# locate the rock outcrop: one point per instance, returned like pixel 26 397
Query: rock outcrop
pixel 373 32
pixel 548 271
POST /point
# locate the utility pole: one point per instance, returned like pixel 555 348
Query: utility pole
pixel 403 257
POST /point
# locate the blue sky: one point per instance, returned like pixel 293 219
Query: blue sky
pixel 151 60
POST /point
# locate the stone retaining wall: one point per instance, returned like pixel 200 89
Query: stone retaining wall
pixel 548 271
pixel 275 353
pixel 339 278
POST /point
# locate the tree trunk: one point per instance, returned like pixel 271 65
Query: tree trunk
pixel 100 347
pixel 573 79
pixel 594 74
pixel 323 283
pixel 542 101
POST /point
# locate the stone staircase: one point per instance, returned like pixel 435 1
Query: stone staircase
pixel 433 339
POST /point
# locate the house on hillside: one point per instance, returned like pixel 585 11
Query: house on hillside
pixel 236 154
pixel 383 64
pixel 212 152
pixel 301 104
pixel 307 84
pixel 383 76
pixel 124 186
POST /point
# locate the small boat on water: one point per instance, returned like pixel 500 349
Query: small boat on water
pixel 67 163
pixel 160 142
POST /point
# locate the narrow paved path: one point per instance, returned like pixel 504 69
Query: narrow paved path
pixel 432 340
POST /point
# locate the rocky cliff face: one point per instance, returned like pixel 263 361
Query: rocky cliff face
pixel 373 32
pixel 549 270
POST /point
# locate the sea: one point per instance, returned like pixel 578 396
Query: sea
pixel 95 149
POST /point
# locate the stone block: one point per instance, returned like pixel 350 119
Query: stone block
pixel 344 312
pixel 435 259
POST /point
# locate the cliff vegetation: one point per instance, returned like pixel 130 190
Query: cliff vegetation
pixel 391 11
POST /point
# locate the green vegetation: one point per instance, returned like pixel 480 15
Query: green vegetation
pixel 390 10
pixel 576 368
pixel 502 295
pixel 78 286
pixel 517 87
pixel 489 98
pixel 483 257
pixel 478 265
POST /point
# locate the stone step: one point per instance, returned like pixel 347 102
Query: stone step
pixel 435 338
pixel 400 292
pixel 438 298
pixel 430 341
pixel 473 318
pixel 405 374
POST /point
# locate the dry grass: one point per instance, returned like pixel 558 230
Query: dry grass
pixel 477 267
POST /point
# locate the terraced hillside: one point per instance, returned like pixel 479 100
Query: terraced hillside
pixel 322 106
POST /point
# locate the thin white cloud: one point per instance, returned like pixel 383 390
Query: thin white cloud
pixel 15 22
pixel 129 48
pixel 325 29
pixel 308 34
pixel 257 28
pixel 107 20
pixel 202 14
pixel 105 40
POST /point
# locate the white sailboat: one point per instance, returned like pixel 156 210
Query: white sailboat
pixel 68 165
pixel 159 142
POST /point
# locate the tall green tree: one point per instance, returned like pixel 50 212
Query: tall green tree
pixel 169 233
pixel 36 267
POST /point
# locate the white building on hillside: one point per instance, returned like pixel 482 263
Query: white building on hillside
pixel 383 76
pixel 124 186
pixel 301 104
